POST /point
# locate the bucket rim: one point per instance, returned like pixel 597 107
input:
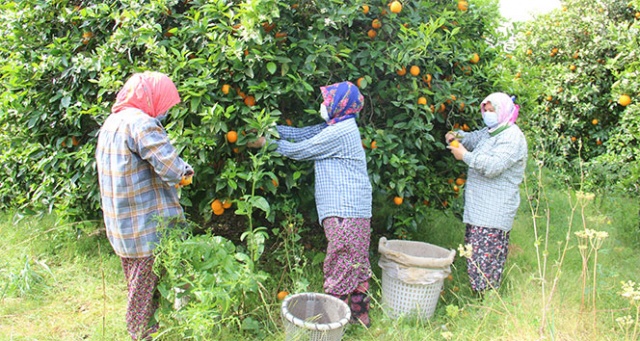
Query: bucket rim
pixel 314 326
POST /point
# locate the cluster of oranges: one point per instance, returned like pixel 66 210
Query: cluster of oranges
pixel 218 206
pixel 247 99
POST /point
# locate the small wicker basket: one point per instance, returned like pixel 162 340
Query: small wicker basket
pixel 314 317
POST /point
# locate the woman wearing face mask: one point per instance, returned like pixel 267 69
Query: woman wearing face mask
pixel 496 156
pixel 342 192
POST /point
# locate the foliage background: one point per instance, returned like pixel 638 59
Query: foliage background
pixel 65 61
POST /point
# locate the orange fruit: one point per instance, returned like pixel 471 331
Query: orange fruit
pixel 232 136
pixel 398 200
pixel 461 106
pixel 274 182
pixel 442 108
pixel 415 70
pixel 460 181
pixel 376 24
pixel 573 139
pixel 186 181
pixel 594 121
pixel 549 98
pixel 427 78
pixel 374 145
pixel 395 7
pixel 450 277
pixel 475 58
pixel 422 101
pixel 598 142
pixel 624 100
pixel 529 52
pixel 463 5
pixel 455 144
pixel 87 35
pixel 250 101
pixel 74 141
pixel 576 55
pixel 216 205
pixel 281 295
pixel 402 71
pixel 572 67
pixel 365 9
pixel 219 212
pixel 241 93
pixel 359 82
pixel 280 35
pixel 456 188
pixel 372 33
pixel 268 27
pixel 226 88
pixel 236 150
pixel 465 127
pixel 289 122
pixel 226 203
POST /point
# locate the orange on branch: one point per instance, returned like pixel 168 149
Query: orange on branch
pixel 226 88
pixel 232 136
pixel 415 70
pixel 395 7
pixel 398 200
pixel 624 100
pixel 216 205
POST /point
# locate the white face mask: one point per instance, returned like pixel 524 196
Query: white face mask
pixel 324 113
pixel 490 119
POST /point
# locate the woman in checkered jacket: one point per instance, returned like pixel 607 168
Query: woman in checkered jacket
pixel 496 156
pixel 342 192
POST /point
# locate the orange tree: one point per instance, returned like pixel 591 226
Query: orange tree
pixel 571 67
pixel 243 66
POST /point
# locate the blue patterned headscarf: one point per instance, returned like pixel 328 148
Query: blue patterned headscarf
pixel 343 101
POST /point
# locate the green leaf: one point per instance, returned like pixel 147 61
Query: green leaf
pixel 271 67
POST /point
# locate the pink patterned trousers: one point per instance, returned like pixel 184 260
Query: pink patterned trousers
pixel 141 284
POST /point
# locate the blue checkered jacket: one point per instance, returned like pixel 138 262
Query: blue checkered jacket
pixel 496 169
pixel 138 169
pixel 342 186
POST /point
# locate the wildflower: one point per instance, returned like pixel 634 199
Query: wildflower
pixel 585 196
pixel 624 321
pixel 465 251
pixel 630 291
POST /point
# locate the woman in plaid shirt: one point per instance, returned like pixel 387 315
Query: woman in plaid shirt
pixel 496 156
pixel 342 192
pixel 138 170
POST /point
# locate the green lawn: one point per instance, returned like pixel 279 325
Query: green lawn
pixel 58 284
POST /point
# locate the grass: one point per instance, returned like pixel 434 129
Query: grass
pixel 53 289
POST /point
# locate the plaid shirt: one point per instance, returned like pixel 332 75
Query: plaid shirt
pixel 496 169
pixel 138 169
pixel 342 187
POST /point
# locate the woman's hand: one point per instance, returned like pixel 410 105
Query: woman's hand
pixel 458 152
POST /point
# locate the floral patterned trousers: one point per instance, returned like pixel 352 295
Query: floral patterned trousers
pixel 141 284
pixel 490 248
pixel 346 267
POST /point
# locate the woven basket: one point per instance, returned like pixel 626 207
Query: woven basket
pixel 407 299
pixel 412 276
pixel 314 317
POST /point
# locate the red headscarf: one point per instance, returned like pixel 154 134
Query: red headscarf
pixel 152 92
